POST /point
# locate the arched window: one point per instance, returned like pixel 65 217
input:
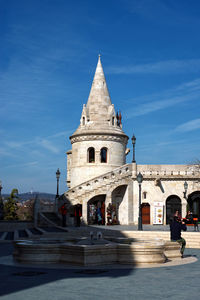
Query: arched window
pixel 83 120
pixel 91 155
pixel 104 155
pixel 113 121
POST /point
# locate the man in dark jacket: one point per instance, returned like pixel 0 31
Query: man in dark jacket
pixel 175 229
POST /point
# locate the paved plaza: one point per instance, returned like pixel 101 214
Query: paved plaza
pixel 107 282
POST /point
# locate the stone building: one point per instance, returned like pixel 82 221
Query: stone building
pixel 100 180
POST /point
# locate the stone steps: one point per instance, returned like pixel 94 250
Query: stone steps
pixel 192 238
pixel 32 233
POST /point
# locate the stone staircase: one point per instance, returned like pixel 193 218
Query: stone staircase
pixel 99 185
pixel 10 233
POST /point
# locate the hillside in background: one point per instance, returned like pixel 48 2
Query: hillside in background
pixel 27 196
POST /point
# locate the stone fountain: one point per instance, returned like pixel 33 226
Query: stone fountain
pixel 95 251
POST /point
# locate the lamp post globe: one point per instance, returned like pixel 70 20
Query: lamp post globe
pixel 139 180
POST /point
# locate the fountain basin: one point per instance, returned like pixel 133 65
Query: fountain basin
pixel 89 254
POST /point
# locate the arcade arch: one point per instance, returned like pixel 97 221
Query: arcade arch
pixel 173 203
pixel 96 210
pixel 194 203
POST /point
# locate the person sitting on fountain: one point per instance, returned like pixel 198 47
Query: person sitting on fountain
pixel 175 229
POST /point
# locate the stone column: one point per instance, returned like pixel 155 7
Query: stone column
pixel 84 211
pixel 107 201
pixel 130 203
pixel 184 207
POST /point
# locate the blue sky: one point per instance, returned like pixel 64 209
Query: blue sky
pixel 49 50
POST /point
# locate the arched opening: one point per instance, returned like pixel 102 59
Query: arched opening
pixel 91 155
pixel 113 121
pixel 116 207
pixel 103 153
pixel 96 210
pixel 194 203
pixel 145 213
pixel 173 203
pixel 83 120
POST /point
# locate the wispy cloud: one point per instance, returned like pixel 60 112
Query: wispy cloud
pixel 188 91
pixel 189 126
pixel 161 67
pixel 49 146
pixel 28 164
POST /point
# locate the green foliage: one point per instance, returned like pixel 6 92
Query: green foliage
pixel 10 207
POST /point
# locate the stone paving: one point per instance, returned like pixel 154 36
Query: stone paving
pixel 168 282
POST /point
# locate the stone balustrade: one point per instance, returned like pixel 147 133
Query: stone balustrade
pixel 108 178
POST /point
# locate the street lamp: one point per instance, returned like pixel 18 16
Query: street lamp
pixel 185 188
pixel 133 142
pixel 139 180
pixel 57 177
pixel 57 194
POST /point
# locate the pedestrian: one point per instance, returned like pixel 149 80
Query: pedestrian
pixel 99 216
pixel 177 214
pixel 189 217
pixel 63 211
pixel 195 221
pixel 175 229
pixel 78 214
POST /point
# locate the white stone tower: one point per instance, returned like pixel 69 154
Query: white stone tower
pixel 99 143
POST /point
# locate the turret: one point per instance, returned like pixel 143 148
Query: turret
pixel 99 143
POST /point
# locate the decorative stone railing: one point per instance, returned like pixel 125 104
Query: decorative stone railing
pixel 99 181
pixel 175 171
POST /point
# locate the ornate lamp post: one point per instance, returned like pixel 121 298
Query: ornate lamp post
pixel 139 180
pixel 57 193
pixel 133 142
pixel 185 188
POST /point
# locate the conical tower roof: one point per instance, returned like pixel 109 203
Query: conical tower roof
pixel 99 99
pixel 98 116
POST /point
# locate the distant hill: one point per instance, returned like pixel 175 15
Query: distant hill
pixel 27 196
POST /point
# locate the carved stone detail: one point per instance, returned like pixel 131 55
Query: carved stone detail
pixel 114 138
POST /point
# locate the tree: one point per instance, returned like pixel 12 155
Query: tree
pixel 10 207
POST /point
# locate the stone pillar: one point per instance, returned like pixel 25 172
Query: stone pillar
pixel 84 211
pixel 130 203
pixel 184 207
pixel 107 201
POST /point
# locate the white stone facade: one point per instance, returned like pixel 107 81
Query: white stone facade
pixel 93 174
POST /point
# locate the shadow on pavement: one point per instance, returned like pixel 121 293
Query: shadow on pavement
pixel 17 278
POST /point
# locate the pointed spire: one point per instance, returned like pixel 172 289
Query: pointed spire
pixel 99 98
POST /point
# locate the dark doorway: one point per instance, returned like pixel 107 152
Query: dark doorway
pixel 96 210
pixel 145 213
pixel 173 203
pixel 194 203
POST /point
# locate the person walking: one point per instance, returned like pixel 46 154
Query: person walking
pixel 63 211
pixel 176 227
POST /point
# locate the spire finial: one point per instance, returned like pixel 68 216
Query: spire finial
pixel 99 55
